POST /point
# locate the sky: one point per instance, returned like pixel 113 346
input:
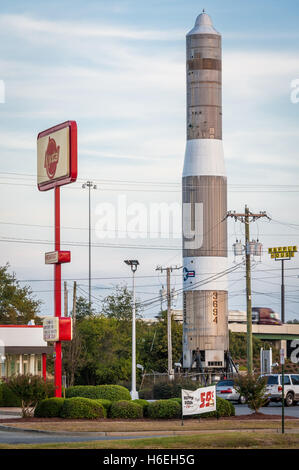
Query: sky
pixel 118 69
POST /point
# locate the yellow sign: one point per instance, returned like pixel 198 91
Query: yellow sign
pixel 282 252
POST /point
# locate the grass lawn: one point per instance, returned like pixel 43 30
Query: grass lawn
pixel 158 425
pixel 234 440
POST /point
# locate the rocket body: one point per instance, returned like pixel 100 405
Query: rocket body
pixel 204 185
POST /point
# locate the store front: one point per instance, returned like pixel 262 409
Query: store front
pixel 23 350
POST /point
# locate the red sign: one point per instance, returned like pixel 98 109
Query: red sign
pixel 57 257
pixel 57 156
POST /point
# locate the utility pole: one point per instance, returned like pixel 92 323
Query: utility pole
pixel 169 338
pixel 246 218
pixel 90 185
pixel 74 303
pixel 65 300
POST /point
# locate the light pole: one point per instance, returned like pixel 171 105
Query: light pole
pixel 90 185
pixel 134 264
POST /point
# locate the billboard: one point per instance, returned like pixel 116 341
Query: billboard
pixel 57 156
pixel 198 401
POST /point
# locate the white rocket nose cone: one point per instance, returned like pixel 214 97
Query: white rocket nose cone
pixel 203 19
pixel 203 25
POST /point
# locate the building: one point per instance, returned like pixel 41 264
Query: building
pixel 23 350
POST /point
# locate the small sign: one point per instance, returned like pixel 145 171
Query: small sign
pixel 57 257
pixel 51 329
pixel 57 329
pixel 282 252
pixel 198 401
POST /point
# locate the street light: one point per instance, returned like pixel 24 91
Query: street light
pixel 89 185
pixel 134 394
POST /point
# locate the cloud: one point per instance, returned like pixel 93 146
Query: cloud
pixel 27 24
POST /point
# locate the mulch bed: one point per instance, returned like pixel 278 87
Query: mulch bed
pixel 252 416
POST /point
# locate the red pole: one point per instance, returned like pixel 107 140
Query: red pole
pixel 57 293
pixel 44 366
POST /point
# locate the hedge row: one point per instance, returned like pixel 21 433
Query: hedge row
pixel 105 392
pixel 87 408
pixel 7 397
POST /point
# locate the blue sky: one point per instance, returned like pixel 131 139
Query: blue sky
pixel 118 69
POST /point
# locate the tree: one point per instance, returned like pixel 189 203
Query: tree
pixel 153 345
pixel 83 309
pixel 16 303
pixel 119 304
pixel 30 389
pixel 253 388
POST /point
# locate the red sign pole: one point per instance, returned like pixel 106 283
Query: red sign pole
pixel 57 293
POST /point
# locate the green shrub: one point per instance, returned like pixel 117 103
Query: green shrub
pixel 49 408
pixel 82 408
pixel 223 408
pixel 126 409
pixel 105 392
pixel 144 405
pixel 30 389
pixel 86 391
pixel 164 409
pixel 232 409
pixel 173 389
pixel 253 388
pixel 8 397
pixel 146 394
pixel 178 400
pixel 106 405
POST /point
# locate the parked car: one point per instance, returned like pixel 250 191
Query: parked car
pixel 274 388
pixel 225 389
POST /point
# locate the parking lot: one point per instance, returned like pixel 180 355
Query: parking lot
pixel 271 409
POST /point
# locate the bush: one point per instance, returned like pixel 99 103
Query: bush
pixel 82 408
pixel 232 409
pixel 164 409
pixel 146 394
pixel 144 404
pixel 105 392
pixel 106 405
pixel 30 389
pixel 126 409
pixel 173 389
pixel 223 408
pixel 49 408
pixel 253 388
pixel 8 397
pixel 178 400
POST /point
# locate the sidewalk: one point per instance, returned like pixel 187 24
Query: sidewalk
pixel 11 412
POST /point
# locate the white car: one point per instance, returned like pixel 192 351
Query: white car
pixel 225 389
pixel 274 388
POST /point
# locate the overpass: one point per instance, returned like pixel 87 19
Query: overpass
pixel 278 333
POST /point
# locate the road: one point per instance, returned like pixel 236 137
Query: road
pixel 27 437
pixel 271 409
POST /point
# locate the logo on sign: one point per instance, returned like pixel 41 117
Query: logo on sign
pixel 51 158
pixel 187 274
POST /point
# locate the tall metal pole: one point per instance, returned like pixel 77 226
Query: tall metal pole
pixel 89 244
pixel 282 292
pixel 89 185
pixel 134 393
pixel 57 293
pixel 248 293
pixel 169 338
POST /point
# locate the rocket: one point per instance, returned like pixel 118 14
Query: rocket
pixel 204 199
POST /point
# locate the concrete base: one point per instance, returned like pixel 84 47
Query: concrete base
pixel 134 394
